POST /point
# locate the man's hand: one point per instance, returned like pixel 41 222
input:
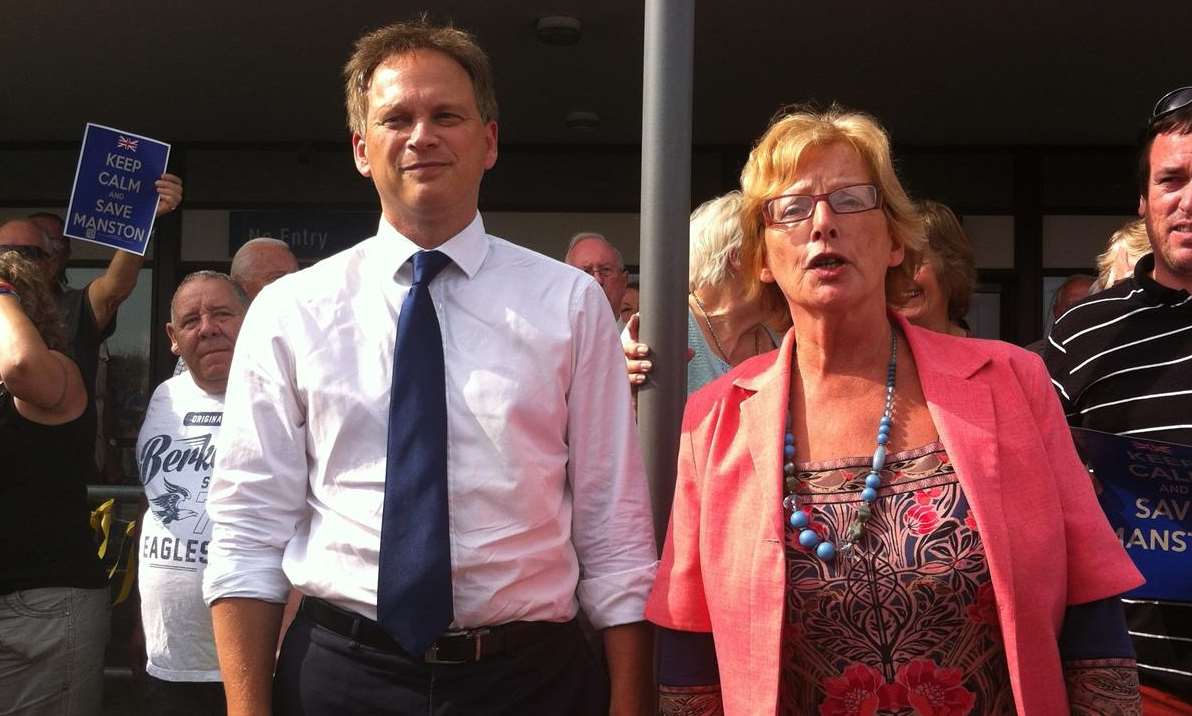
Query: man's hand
pixel 169 193
pixel 635 353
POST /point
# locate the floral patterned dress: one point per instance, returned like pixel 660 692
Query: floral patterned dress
pixel 907 623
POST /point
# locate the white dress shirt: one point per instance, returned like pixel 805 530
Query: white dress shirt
pixel 546 490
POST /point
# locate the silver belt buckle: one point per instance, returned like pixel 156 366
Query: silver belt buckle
pixel 432 653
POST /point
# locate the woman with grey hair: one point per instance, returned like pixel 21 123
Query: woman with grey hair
pixel 724 325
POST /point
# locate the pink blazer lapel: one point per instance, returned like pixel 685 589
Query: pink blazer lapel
pixel 963 411
pixel 763 416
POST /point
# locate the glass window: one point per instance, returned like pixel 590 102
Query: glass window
pixel 122 390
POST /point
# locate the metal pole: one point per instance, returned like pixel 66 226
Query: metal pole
pixel 666 203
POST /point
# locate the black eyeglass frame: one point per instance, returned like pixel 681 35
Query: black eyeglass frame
pixel 1173 101
pixel 816 199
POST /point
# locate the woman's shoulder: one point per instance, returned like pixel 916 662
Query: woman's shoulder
pixel 729 389
pixel 946 349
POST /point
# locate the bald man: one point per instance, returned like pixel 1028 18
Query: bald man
pixel 260 262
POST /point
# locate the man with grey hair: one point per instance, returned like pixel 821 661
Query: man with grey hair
pixel 175 455
pixel 594 255
pixel 260 262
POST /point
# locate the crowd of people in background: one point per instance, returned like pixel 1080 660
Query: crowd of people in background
pixel 425 445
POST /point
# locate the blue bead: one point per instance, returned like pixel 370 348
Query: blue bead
pixel 868 494
pixel 826 551
pixel 885 421
pixel 879 457
pixel 809 538
pixel 788 439
pixel 883 438
pixel 799 519
pixel 788 451
pixel 873 480
pixel 883 429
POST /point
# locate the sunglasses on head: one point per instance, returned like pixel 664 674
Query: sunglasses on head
pixel 33 253
pixel 1173 101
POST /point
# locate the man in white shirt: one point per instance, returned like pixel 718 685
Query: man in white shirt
pixel 545 506
pixel 176 454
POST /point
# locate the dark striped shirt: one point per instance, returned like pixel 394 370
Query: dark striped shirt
pixel 1121 361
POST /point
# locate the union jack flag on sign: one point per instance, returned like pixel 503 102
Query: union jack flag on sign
pixel 126 143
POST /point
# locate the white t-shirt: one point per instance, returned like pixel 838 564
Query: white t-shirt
pixel 175 454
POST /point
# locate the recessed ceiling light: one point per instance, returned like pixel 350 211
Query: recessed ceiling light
pixel 581 119
pixel 558 30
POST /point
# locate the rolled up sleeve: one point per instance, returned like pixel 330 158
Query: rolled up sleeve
pixel 612 523
pixel 258 494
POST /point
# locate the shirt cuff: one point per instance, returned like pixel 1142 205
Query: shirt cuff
pixel 615 599
pixel 248 578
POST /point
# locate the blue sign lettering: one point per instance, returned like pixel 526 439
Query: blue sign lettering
pixel 1144 488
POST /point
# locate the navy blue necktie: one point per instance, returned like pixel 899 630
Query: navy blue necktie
pixel 414 579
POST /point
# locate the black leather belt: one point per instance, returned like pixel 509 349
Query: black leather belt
pixel 454 647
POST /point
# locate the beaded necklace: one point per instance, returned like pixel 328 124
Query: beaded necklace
pixel 800 515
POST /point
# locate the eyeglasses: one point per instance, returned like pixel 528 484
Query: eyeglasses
pixel 1173 101
pixel 33 253
pixel 603 273
pixel 793 208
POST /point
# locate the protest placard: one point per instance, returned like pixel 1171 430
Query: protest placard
pixel 114 200
pixel 1145 488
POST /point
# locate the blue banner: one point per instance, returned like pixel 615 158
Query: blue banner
pixel 1145 488
pixel 311 233
pixel 114 200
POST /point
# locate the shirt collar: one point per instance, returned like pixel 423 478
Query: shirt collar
pixel 1155 292
pixel 467 249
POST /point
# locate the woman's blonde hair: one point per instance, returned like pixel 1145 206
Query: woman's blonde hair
pixel 1131 238
pixel 37 298
pixel 773 166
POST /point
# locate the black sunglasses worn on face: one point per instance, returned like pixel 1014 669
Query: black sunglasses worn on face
pixel 33 253
pixel 1173 101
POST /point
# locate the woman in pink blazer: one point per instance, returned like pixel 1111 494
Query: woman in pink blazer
pixel 876 518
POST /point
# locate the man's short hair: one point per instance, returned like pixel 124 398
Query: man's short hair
pixel 47 215
pixel 241 296
pixel 1063 287
pixel 585 235
pixel 46 243
pixel 242 260
pixel 401 38
pixel 1177 122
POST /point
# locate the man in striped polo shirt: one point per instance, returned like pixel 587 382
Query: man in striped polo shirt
pixel 1122 361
